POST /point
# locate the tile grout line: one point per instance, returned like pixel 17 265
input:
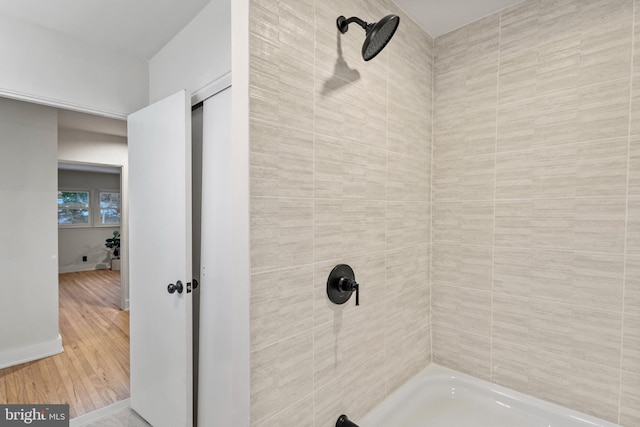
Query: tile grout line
pixel 529 298
pixel 495 186
pixel 556 92
pixel 282 411
pixel 509 200
pixel 259 271
pixel 313 219
pixel 626 214
pixel 531 199
pixel 558 145
pixel 531 347
pixel 550 94
pixel 280 341
pixel 431 185
pixel 527 248
pixel 386 207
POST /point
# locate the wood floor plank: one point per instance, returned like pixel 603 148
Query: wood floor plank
pixel 10 386
pixel 62 386
pixel 81 383
pixel 3 389
pixel 36 387
pixel 88 373
pixel 105 363
pixel 17 390
pixel 76 407
pixel 93 371
pixel 50 391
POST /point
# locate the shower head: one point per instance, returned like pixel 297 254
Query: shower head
pixel 378 33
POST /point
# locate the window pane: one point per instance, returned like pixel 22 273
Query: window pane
pixel 109 200
pixel 75 199
pixel 110 216
pixel 73 216
pixel 109 207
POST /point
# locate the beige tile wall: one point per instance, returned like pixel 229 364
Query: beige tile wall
pixel 536 209
pixel 536 206
pixel 340 173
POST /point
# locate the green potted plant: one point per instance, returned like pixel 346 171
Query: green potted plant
pixel 113 243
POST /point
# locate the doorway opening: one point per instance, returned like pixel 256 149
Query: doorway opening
pixel 94 329
pixel 93 370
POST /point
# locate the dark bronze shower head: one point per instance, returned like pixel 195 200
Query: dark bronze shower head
pixel 378 34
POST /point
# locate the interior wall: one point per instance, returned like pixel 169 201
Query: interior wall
pixel 45 66
pixel 198 55
pixel 89 241
pixel 340 169
pixel 28 232
pixel 536 207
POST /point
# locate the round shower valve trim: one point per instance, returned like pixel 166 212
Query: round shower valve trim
pixel 341 284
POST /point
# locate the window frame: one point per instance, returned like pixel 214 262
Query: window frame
pixel 88 224
pixel 98 210
pixel 94 218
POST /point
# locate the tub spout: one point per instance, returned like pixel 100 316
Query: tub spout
pixel 343 421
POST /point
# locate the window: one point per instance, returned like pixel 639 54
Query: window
pixel 109 202
pixel 88 208
pixel 73 208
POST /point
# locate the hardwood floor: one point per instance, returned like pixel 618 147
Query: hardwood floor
pixel 93 371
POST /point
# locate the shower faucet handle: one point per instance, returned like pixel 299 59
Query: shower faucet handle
pixel 357 294
pixel 341 284
pixel 346 284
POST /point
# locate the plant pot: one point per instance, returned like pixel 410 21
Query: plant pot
pixel 115 264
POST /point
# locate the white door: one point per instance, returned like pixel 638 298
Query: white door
pixel 215 388
pixel 160 256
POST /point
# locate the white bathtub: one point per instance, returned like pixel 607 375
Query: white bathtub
pixel 440 397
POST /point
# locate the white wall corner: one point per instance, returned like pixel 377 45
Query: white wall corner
pixel 197 56
pixel 241 392
pixel 30 353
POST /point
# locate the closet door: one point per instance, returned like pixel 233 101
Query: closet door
pixel 160 262
pixel 218 281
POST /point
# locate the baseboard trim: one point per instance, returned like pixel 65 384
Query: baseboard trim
pixel 85 419
pixel 81 269
pixel 30 353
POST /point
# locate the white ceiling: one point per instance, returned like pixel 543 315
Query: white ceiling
pixel 137 27
pixel 141 27
pixel 438 17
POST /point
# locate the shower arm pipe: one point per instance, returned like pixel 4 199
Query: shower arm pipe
pixel 343 23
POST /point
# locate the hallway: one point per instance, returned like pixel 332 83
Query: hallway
pixel 93 370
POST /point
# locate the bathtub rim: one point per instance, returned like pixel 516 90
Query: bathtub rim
pixel 434 371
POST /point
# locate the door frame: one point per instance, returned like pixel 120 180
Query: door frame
pixel 124 228
pixel 239 355
pixel 236 360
